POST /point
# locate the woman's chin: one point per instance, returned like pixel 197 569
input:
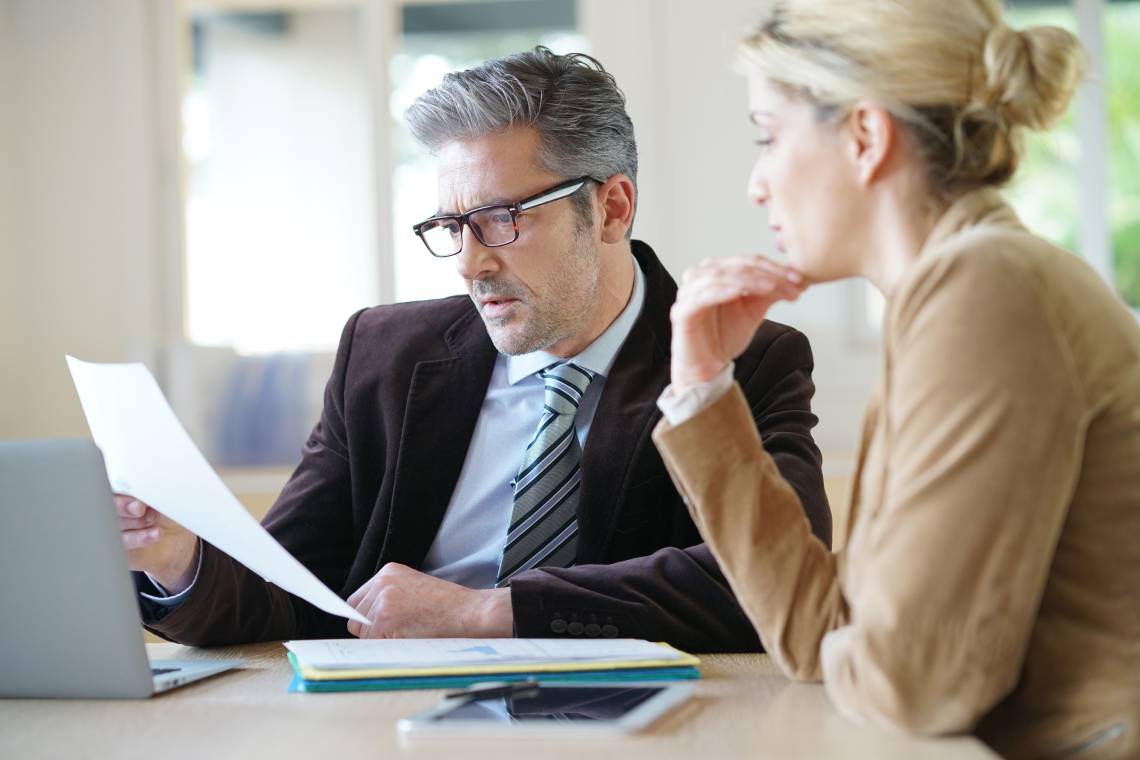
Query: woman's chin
pixel 814 271
pixel 802 264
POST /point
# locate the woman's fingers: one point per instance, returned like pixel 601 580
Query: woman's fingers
pixel 710 295
pixel 719 305
pixel 751 272
pixel 717 287
pixel 745 262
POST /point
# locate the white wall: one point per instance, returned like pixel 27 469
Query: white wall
pixel 10 345
pixel 79 254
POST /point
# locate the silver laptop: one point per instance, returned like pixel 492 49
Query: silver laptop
pixel 69 618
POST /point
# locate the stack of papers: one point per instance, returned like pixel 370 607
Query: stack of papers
pixel 381 664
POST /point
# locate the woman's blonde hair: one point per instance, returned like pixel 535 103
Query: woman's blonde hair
pixel 952 70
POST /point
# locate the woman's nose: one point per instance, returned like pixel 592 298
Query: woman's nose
pixel 757 187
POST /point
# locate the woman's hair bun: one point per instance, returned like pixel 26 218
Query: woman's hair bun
pixel 1029 76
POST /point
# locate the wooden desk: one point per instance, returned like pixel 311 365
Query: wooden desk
pixel 745 708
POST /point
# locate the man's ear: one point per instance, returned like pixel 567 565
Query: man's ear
pixel 616 197
pixel 871 135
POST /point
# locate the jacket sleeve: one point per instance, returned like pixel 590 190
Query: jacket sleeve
pixel 976 452
pixel 678 594
pixel 229 604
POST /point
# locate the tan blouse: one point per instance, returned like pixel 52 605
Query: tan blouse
pixel 990 580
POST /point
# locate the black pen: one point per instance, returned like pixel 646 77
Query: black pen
pixel 519 689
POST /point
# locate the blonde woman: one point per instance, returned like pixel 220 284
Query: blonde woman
pixel 990 580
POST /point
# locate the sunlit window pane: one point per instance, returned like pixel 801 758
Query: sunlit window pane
pixel 280 228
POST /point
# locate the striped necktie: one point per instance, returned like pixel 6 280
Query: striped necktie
pixel 544 521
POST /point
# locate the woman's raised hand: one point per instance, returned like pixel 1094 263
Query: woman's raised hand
pixel 720 305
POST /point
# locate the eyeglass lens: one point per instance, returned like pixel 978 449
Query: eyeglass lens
pixel 493 226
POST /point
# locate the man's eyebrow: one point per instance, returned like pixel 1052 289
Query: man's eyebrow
pixel 497 201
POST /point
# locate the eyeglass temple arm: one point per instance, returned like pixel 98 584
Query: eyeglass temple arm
pixel 557 193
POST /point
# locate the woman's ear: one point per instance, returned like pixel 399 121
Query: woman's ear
pixel 871 140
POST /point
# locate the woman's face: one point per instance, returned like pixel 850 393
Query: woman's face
pixel 805 178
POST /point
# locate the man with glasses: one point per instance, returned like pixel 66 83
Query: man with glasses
pixel 483 464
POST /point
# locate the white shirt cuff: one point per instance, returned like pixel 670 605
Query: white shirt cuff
pixel 681 407
pixel 166 600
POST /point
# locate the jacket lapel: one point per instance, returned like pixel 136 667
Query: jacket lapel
pixel 444 401
pixel 626 412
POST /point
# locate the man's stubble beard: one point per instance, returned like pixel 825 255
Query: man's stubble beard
pixel 566 311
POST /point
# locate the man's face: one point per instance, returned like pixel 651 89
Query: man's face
pixel 540 291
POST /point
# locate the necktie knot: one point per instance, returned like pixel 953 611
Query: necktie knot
pixel 566 384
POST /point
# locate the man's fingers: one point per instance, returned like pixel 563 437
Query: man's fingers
pixel 129 506
pixel 359 594
pixel 372 630
pixel 139 523
pixel 360 630
pixel 138 539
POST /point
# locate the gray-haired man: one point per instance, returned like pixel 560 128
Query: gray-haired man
pixel 483 466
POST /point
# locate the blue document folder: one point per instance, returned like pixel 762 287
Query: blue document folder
pixel 301 684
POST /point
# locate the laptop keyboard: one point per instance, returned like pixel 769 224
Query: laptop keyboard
pixel 160 671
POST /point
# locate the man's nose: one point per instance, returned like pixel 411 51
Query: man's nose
pixel 475 259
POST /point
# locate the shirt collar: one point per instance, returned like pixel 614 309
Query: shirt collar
pixel 597 357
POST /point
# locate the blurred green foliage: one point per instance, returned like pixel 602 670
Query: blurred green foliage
pixel 1122 38
pixel 1044 192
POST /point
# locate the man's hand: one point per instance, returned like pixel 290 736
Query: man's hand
pixel 156 544
pixel 403 603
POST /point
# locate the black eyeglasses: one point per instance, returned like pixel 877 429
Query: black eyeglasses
pixel 494 226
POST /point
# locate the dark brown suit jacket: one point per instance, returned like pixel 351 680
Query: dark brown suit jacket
pixel 379 467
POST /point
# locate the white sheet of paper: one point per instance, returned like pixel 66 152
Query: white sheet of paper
pixel 337 654
pixel 150 456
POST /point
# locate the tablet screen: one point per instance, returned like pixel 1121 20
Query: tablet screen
pixel 554 703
